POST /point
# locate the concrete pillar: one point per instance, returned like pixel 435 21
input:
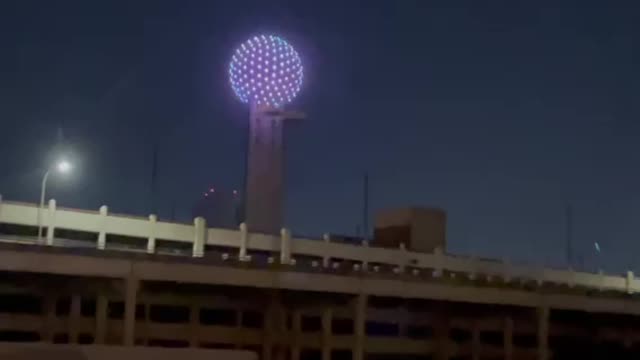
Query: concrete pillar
pixel 326 259
pixel 130 300
pixel 441 332
pixel 273 328
pixel 147 324
pixel 199 236
pixel 438 261
pixel 102 232
pixel 360 322
pixel 285 246
pixel 281 342
pixel 101 319
pixel 51 222
pixel 543 333
pixel 296 328
pixel 244 240
pixel 475 340
pixel 402 265
pixel 508 338
pixel 74 318
pixel 403 321
pixel 267 333
pixel 48 329
pixel 629 282
pixel 265 172
pixel 151 242
pixel 194 326
pixel 239 329
pixel 327 341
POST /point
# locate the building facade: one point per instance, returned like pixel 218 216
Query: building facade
pixel 300 299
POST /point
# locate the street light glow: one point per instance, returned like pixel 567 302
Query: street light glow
pixel 64 166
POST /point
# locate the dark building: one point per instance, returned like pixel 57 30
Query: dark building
pixel 219 207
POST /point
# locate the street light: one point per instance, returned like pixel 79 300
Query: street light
pixel 63 166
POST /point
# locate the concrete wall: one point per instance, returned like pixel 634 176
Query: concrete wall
pixel 290 249
pixel 436 279
pixel 12 351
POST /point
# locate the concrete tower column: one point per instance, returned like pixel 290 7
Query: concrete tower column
pixel 475 340
pixel 194 325
pixel 360 328
pixel 48 330
pixel 239 328
pixel 267 333
pixel 265 171
pixel 508 338
pixel 327 333
pixel 296 329
pixel 441 332
pixel 74 318
pixel 130 300
pixel 543 332
pixel 274 328
pixel 101 318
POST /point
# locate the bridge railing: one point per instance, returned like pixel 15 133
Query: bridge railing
pixel 241 244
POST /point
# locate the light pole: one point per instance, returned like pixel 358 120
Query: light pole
pixel 63 166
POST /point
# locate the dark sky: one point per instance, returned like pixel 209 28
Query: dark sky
pixel 501 112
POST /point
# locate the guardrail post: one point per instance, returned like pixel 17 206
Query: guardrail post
pixel 572 275
pixel 601 280
pixel 629 282
pixel 51 222
pixel 402 265
pixel 506 271
pixel 151 242
pixel 244 239
pixel 199 238
pixel 325 258
pixel 438 262
pixel 285 246
pixel 102 235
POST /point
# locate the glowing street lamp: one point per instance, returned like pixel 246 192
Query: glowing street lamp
pixel 63 166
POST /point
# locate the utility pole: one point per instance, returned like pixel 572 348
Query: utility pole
pixel 365 207
pixel 154 179
pixel 569 234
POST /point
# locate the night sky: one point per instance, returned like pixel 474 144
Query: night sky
pixel 501 112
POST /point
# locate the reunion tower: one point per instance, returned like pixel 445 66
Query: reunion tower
pixel 266 73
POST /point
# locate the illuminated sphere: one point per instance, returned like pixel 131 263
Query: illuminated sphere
pixel 266 70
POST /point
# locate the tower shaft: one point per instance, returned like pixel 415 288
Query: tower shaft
pixel 264 194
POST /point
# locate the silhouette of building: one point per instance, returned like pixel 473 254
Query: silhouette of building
pixel 219 207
